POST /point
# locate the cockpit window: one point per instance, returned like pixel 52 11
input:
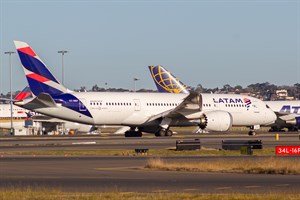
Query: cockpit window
pixel 267 106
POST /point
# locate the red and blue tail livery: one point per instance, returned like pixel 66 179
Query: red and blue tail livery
pixel 25 93
pixel 165 81
pixel 38 76
pixel 41 81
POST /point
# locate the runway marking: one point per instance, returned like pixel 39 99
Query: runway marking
pixel 191 189
pixel 252 186
pixel 130 168
pixel 283 185
pixel 158 191
pixel 84 143
pixel 223 188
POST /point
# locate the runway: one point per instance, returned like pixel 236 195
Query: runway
pixel 127 174
pixel 120 142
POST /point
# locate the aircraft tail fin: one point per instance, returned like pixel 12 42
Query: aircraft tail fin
pixel 39 78
pixel 166 82
pixel 25 93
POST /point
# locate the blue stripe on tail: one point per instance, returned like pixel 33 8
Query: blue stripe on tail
pixel 38 87
pixel 36 66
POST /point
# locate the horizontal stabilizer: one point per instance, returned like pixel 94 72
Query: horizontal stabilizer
pixel 43 100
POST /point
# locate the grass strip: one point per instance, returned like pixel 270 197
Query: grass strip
pixel 48 194
pixel 272 165
pixel 126 152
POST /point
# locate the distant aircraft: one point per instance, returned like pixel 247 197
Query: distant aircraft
pixel 143 112
pixel 19 114
pixel 242 113
pixel 288 115
pixel 24 94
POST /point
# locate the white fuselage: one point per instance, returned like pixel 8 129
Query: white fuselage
pixel 135 109
pixel 19 116
pixel 288 107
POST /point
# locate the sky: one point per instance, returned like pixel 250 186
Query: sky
pixel 211 43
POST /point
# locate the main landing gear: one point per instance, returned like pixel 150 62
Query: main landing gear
pixel 164 132
pixel 276 129
pixel 133 132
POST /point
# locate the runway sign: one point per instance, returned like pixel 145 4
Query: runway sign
pixel 287 150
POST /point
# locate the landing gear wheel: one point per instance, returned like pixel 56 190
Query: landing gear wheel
pixel 127 134
pixel 252 133
pixel 138 134
pixel 293 129
pixel 160 133
pixel 168 133
pixel 133 134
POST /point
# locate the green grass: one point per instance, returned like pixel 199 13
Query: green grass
pixel 124 152
pixel 47 194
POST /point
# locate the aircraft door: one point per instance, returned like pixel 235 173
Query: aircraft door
pixel 82 103
pixel 137 104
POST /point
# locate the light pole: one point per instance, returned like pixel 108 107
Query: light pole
pixel 62 79
pixel 62 64
pixel 135 79
pixel 10 86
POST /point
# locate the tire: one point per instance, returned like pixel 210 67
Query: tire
pixel 138 134
pixel 160 133
pixel 251 133
pixel 168 133
pixel 128 134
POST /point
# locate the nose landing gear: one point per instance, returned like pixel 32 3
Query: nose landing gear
pixel 252 130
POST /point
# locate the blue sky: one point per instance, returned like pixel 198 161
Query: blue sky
pixel 212 43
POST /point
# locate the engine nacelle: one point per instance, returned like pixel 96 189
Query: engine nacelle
pixel 215 121
pixel 298 121
pixel 295 121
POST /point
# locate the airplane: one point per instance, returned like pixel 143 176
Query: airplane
pixel 288 115
pixel 288 112
pixel 20 115
pixel 142 112
pixel 166 82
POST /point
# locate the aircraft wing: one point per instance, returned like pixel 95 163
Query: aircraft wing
pixel 190 105
pixel 288 117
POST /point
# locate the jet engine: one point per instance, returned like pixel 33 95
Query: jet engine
pixel 215 121
pixel 295 121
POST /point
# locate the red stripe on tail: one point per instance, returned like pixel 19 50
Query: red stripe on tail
pixel 22 95
pixel 27 50
pixel 37 77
